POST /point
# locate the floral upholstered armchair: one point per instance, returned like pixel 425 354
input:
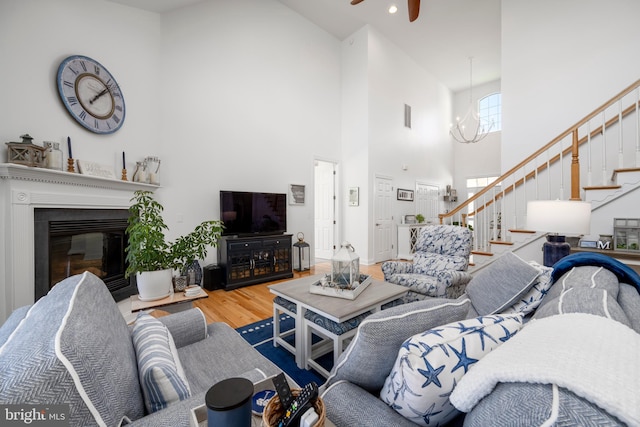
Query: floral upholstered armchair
pixel 439 264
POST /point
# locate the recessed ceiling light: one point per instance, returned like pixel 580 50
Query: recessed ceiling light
pixel 393 8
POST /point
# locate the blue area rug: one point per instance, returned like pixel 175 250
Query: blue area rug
pixel 260 336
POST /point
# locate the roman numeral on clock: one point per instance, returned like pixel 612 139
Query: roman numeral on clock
pixel 72 100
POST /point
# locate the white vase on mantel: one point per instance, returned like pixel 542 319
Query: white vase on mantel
pixel 154 285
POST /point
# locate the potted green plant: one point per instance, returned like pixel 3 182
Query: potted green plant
pixel 151 257
pixel 420 218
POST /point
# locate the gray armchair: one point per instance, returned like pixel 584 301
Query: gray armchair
pixel 439 264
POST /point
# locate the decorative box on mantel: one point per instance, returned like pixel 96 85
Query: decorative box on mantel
pixel 26 153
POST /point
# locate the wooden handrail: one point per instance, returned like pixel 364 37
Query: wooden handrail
pixel 556 158
pixel 550 144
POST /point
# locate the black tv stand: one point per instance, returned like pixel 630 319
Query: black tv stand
pixel 254 259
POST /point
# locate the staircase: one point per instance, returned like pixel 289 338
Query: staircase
pixel 597 160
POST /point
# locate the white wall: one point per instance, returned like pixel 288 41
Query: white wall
pixel 478 159
pixel 378 79
pixel 251 94
pixel 561 60
pixel 355 153
pixel 238 95
pixel 424 150
pixel 230 95
pixel 38 34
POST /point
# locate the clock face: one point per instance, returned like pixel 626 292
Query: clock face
pixel 91 94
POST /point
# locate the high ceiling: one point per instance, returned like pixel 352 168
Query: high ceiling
pixel 441 40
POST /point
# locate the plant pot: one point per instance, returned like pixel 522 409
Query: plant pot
pixel 154 285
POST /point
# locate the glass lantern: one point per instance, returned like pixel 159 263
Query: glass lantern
pixel 301 254
pixel 345 267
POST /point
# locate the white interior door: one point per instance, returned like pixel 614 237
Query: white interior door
pixel 325 209
pixel 427 202
pixel 383 225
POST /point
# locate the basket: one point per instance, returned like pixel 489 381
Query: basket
pixel 274 411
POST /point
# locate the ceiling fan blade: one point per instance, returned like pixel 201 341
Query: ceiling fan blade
pixel 356 1
pixel 414 9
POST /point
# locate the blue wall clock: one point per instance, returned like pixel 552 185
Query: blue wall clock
pixel 91 94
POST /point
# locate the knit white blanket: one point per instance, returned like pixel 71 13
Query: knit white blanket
pixel 592 356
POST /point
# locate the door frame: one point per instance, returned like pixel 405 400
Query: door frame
pixel 337 206
pixel 375 244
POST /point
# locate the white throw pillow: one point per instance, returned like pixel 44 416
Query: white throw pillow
pixel 430 364
pixel 161 375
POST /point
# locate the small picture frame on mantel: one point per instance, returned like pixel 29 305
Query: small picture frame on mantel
pixel 296 194
pixel 95 169
pixel 405 195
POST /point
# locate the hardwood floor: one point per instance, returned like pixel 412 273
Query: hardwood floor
pixel 253 303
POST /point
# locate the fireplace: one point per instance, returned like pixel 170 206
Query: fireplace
pixel 23 190
pixel 71 241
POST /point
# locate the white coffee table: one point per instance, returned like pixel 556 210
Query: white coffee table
pixel 339 310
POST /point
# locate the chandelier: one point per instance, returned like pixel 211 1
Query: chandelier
pixel 470 128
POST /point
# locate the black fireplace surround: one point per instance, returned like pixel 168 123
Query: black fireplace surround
pixel 71 241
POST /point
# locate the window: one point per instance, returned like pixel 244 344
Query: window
pixel 480 182
pixel 473 186
pixel 490 111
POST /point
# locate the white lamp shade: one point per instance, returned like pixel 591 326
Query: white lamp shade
pixel 559 216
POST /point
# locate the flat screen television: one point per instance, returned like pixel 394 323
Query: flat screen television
pixel 245 213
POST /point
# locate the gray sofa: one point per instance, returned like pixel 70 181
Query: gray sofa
pixel 73 346
pixel 563 351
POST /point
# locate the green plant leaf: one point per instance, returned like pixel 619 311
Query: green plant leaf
pixel 148 250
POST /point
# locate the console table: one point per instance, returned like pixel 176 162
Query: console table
pixel 407 238
pixel 632 259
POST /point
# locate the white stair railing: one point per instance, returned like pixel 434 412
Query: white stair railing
pixel 547 173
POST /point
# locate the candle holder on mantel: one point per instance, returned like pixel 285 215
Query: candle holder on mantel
pixel 70 167
pixel 124 175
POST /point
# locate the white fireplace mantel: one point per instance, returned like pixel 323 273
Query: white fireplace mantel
pixel 23 189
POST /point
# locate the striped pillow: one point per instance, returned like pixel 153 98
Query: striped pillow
pixel 161 375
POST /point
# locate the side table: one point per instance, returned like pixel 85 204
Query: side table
pixel 175 302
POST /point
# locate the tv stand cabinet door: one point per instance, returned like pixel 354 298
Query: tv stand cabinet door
pixel 282 256
pixel 252 260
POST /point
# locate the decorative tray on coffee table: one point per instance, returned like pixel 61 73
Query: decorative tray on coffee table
pixel 325 286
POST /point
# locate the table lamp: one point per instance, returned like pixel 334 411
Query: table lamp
pixel 558 218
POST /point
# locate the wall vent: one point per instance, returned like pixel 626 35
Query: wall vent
pixel 407 116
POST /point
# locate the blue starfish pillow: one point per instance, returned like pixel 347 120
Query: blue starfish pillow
pixel 430 364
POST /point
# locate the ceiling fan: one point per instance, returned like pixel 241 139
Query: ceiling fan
pixel 414 8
